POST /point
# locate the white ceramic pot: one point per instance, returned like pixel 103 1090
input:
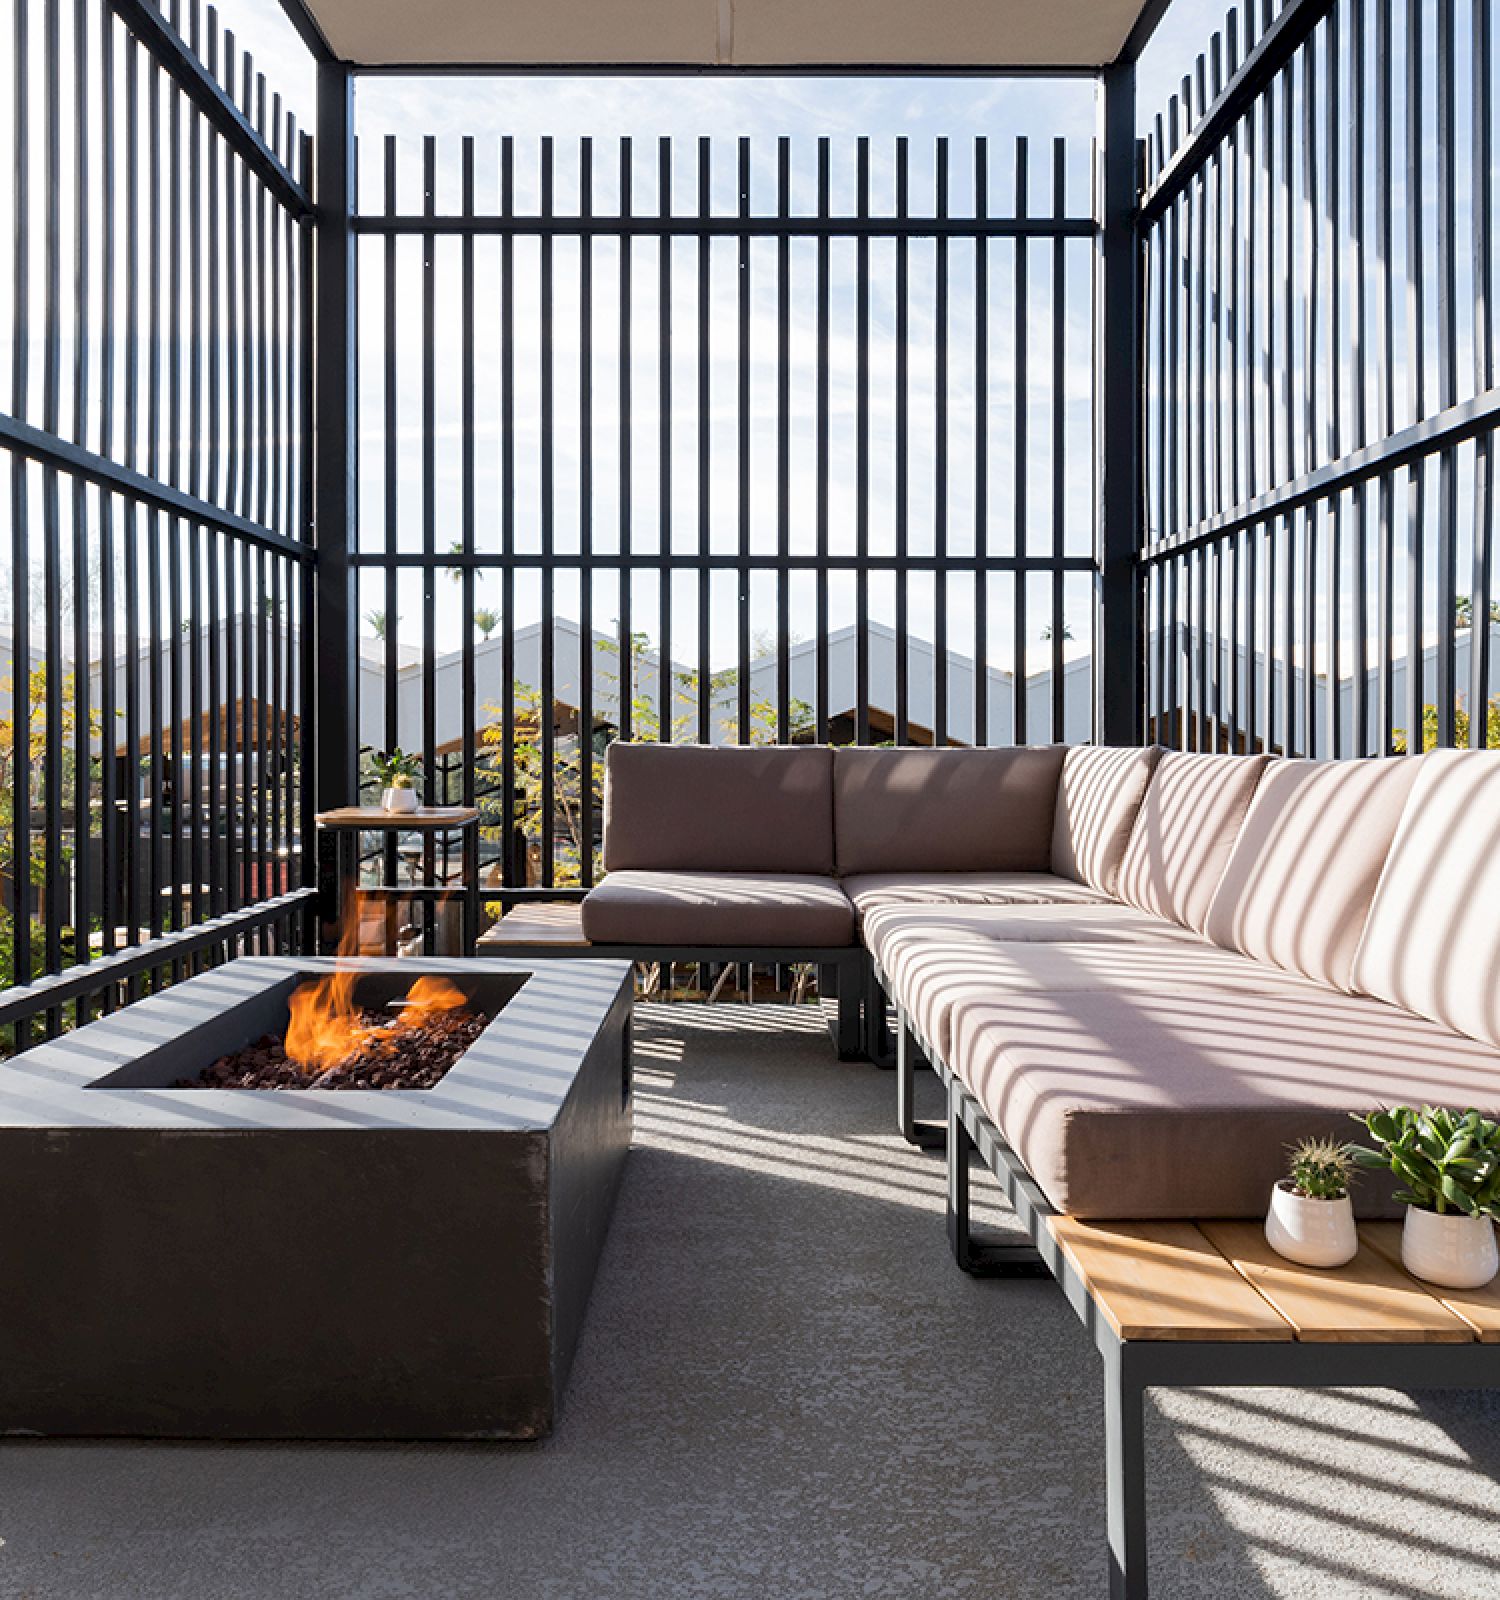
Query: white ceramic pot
pixel 1313 1233
pixel 399 799
pixel 1455 1251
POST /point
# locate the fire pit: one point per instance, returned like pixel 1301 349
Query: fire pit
pixel 330 1261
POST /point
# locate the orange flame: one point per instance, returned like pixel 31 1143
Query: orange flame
pixel 325 1028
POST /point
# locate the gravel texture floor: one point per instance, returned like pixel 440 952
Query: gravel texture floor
pixel 786 1390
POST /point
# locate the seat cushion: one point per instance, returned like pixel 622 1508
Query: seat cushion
pixel 1183 834
pixel 1300 879
pixel 1098 797
pixel 1059 924
pixel 929 976
pixel 945 810
pixel 794 911
pixel 1432 939
pixel 871 889
pixel 695 808
pixel 1183 1105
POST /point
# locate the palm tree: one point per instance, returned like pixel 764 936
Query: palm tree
pixel 486 621
pixel 376 619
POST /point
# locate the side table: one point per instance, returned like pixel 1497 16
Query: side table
pixel 339 834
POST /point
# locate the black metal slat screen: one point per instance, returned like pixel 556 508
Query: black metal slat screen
pixel 153 458
pixel 1321 406
pixel 731 441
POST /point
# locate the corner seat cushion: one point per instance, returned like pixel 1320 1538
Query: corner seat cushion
pixel 946 810
pixel 929 976
pixel 1184 831
pixel 1432 939
pixel 1302 874
pixel 1182 1105
pixel 1098 798
pixel 730 808
pixel 795 911
pixel 869 890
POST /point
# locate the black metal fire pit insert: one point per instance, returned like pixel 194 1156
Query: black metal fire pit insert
pixel 354 1264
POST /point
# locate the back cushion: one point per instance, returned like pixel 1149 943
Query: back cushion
pixel 727 808
pixel 1097 801
pixel 1184 832
pixel 945 810
pixel 1303 871
pixel 1432 940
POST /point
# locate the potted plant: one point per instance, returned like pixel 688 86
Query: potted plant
pixel 398 772
pixel 1448 1163
pixel 1310 1219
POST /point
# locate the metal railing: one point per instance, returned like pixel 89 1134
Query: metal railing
pixel 153 462
pixel 1320 407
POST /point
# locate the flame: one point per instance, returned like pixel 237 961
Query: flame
pixel 429 997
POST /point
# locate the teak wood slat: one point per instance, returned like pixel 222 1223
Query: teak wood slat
pixel 1370 1301
pixel 1479 1308
pixel 552 924
pixel 1165 1281
pixel 377 817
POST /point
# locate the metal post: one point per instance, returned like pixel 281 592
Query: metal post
pixel 925 1135
pixel 1125 1475
pixel 1118 327
pixel 334 689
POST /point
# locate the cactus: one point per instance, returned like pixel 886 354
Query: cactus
pixel 1321 1169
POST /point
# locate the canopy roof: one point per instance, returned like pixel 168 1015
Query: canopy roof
pixel 900 34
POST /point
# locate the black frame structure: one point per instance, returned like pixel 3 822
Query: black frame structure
pixel 1275 560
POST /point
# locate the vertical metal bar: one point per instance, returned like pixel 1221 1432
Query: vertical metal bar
pixel 783 729
pixel 821 426
pixel 903 448
pixel 1484 374
pixel 513 871
pixel 665 675
pixel 335 682
pixel 585 522
pixel 981 445
pixel 390 615
pixel 624 713
pixel 1022 320
pixel 1059 437
pixel 742 417
pixel 1447 374
pixel 862 451
pixel 468 689
pixel 20 534
pixel 546 711
pixel 940 461
pixel 82 822
pixel 705 458
pixel 1416 358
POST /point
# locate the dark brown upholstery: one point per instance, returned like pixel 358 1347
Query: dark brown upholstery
pixel 945 810
pixel 785 910
pixel 695 808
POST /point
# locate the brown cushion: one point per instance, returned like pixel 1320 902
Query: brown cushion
pixel 1300 879
pixel 1432 940
pixel 1065 924
pixel 781 910
pixel 868 890
pixel 1097 800
pixel 945 810
pixel 1156 1105
pixel 1184 831
pixel 928 975
pixel 695 808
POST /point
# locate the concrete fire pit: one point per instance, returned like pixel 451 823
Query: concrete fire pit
pixel 358 1264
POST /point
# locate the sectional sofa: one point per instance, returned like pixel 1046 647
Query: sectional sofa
pixel 1150 971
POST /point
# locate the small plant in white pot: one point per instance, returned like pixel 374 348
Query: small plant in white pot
pixel 398 772
pixel 1311 1220
pixel 1448 1163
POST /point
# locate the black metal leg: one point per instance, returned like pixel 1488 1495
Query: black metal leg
pixel 925 1135
pixel 977 1259
pixel 851 1014
pixel 330 890
pixel 1125 1476
pixel 471 889
pixel 880 1042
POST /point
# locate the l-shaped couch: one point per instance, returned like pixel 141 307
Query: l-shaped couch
pixel 1149 970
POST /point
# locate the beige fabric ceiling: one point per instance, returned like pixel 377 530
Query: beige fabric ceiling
pixel 963 33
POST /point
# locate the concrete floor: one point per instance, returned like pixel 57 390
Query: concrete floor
pixel 786 1390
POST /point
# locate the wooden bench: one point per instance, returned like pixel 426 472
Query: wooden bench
pixel 1210 1304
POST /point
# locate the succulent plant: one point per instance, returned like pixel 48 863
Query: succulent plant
pixel 1447 1161
pixel 397 769
pixel 1321 1169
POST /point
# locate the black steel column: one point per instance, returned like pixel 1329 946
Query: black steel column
pixel 332 694
pixel 1118 313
